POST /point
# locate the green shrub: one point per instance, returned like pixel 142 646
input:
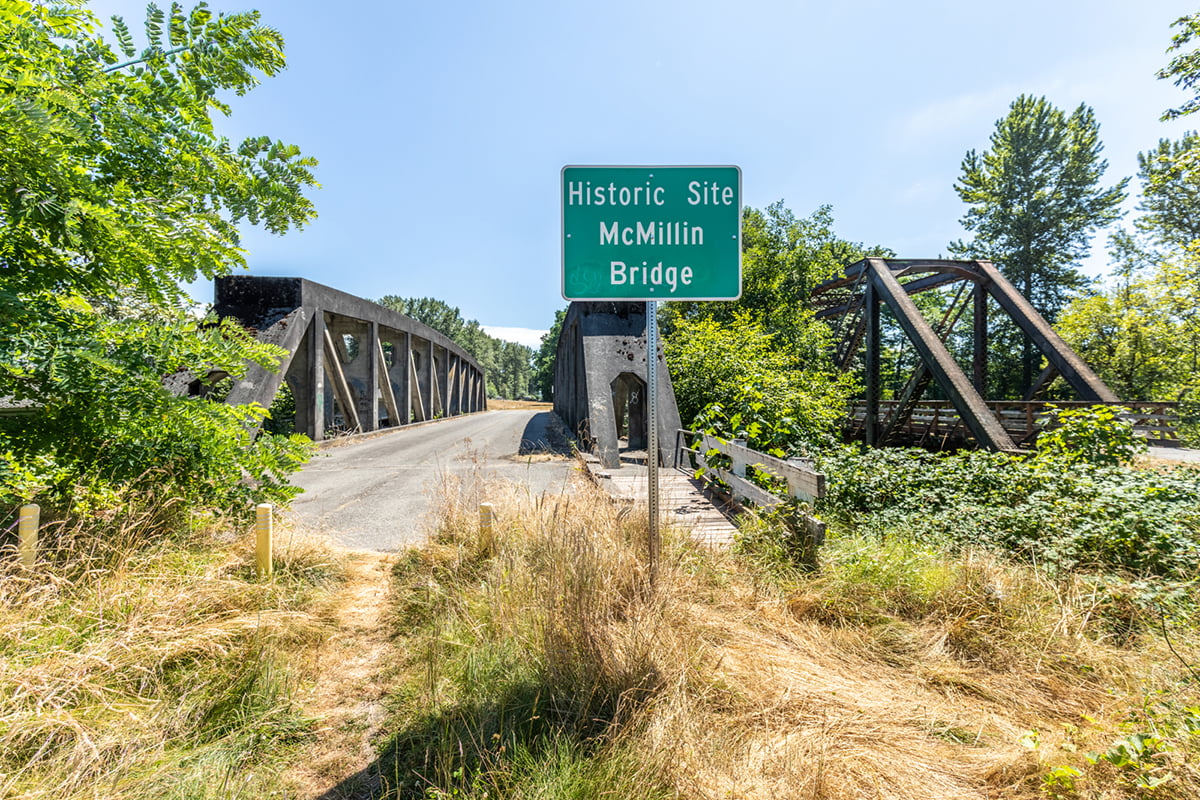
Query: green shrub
pixel 106 428
pixel 1093 435
pixel 737 381
pixel 1060 514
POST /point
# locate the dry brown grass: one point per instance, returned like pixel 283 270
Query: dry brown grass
pixel 499 404
pixel 895 673
pixel 347 693
pixel 153 666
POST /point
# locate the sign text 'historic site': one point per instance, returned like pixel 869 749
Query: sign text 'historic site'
pixel 651 233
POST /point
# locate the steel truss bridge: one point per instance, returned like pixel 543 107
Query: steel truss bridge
pixel 852 303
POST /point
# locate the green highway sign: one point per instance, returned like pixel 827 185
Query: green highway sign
pixel 652 233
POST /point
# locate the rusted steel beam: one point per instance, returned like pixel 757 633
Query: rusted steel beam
pixel 1073 369
pixel 970 405
pixel 912 287
pixel 979 338
pixel 902 411
pixel 1043 380
pixel 874 346
pixel 961 270
pixel 849 275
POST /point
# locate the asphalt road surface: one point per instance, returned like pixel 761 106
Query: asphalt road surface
pixel 374 494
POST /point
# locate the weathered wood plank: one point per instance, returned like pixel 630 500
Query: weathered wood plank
pixel 804 483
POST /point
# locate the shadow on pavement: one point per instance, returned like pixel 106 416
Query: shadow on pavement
pixel 545 433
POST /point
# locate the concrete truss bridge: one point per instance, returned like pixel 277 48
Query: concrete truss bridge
pixel 352 365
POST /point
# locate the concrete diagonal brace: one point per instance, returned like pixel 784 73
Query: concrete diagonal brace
pixel 333 369
pixel 259 385
pixel 385 386
pixel 971 407
pixel 415 379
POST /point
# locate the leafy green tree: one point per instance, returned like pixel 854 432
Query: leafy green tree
pixel 1089 435
pixel 1121 334
pixel 543 359
pixel 437 314
pixel 1142 333
pixel 783 258
pixel 115 186
pixel 1035 199
pixel 1184 67
pixel 108 433
pixel 1170 203
pixel 761 363
pixel 516 369
pixel 112 174
pixel 728 375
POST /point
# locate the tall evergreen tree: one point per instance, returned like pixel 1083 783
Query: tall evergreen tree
pixel 1035 200
pixel 507 365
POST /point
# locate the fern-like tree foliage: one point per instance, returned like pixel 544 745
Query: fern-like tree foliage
pixel 115 186
pixel 111 172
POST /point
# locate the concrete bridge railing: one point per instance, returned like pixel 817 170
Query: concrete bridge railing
pixel 352 365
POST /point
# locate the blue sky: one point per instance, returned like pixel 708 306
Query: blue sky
pixel 441 128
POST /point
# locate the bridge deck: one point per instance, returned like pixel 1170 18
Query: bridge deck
pixel 684 501
pixel 933 422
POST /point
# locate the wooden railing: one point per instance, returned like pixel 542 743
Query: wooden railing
pixel 802 482
pixel 937 420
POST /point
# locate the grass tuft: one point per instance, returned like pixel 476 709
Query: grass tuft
pixel 536 663
pixel 137 663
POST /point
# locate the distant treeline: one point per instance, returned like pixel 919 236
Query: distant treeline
pixel 508 365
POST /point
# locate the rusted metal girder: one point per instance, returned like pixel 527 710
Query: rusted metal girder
pixel 854 297
pixel 1068 363
pixel 970 405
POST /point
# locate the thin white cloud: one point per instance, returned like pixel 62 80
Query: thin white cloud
pixel 529 337
pixel 947 117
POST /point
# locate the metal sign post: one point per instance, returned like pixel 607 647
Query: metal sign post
pixel 654 543
pixel 652 233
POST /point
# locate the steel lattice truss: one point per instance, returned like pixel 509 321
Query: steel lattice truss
pixel 851 304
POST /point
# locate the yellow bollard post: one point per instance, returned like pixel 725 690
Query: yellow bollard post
pixel 27 533
pixel 487 515
pixel 262 528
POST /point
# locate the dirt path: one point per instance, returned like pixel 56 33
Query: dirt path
pixel 347 696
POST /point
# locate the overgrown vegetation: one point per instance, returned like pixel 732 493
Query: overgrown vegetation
pixel 135 664
pixel 117 187
pixel 529 652
pixel 139 657
pixel 736 379
pixel 106 432
pixel 535 663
